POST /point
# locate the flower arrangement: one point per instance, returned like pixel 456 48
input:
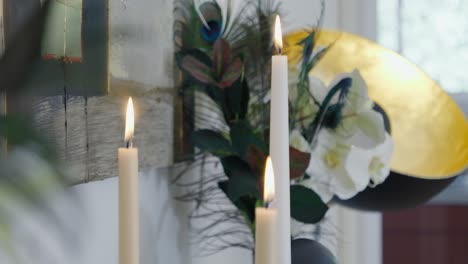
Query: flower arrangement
pixel 338 142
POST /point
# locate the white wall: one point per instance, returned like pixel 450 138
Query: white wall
pixel 90 235
pixel 360 235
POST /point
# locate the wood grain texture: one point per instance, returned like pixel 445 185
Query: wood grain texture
pixel 89 131
pixel 141 42
pixel 87 124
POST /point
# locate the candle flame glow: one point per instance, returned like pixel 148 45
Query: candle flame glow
pixel 130 121
pixel 269 184
pixel 278 35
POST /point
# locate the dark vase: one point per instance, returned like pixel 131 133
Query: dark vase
pixel 397 192
pixel 305 251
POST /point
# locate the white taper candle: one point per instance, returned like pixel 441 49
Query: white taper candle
pixel 279 145
pixel 129 239
pixel 266 224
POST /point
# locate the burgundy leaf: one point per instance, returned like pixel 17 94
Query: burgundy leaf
pixel 256 160
pixel 221 57
pixel 299 161
pixel 197 69
pixel 231 74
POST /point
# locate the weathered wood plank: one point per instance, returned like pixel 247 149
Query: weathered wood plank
pixel 88 134
pixel 141 46
pixel 57 75
pixel 86 127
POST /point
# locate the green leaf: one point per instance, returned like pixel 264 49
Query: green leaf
pixel 306 205
pixel 19 132
pixel 237 100
pixel 212 141
pixel 242 180
pixel 246 204
pixel 299 161
pixel 243 135
pixel 245 99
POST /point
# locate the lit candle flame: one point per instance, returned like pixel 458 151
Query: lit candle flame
pixel 130 122
pixel 278 35
pixel 269 184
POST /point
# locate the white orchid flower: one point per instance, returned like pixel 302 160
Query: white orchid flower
pixel 297 141
pixel 319 89
pixel 361 125
pixel 345 160
pixel 337 168
pixel 379 167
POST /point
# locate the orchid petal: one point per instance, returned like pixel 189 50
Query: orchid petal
pixel 356 176
pixel 317 89
pixel 297 141
pixel 371 124
pixel 380 163
pixel 337 168
pixel 358 98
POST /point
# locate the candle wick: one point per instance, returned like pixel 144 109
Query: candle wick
pixel 129 143
pixel 267 204
pixel 280 51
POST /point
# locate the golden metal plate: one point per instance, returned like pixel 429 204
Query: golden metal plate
pixel 429 130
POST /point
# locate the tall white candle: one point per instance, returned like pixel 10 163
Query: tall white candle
pixel 279 145
pixel 266 222
pixel 129 241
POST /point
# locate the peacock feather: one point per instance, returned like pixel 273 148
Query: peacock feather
pixel 212 22
pixel 329 115
pixel 197 26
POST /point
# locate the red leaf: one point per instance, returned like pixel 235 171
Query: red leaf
pixel 197 69
pixel 221 57
pixel 231 74
pixel 299 161
pixel 256 160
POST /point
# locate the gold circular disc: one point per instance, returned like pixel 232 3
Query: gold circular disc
pixel 429 130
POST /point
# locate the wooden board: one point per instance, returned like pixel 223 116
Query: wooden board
pixel 84 119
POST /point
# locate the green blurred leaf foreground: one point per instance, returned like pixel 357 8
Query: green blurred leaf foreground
pixel 30 173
